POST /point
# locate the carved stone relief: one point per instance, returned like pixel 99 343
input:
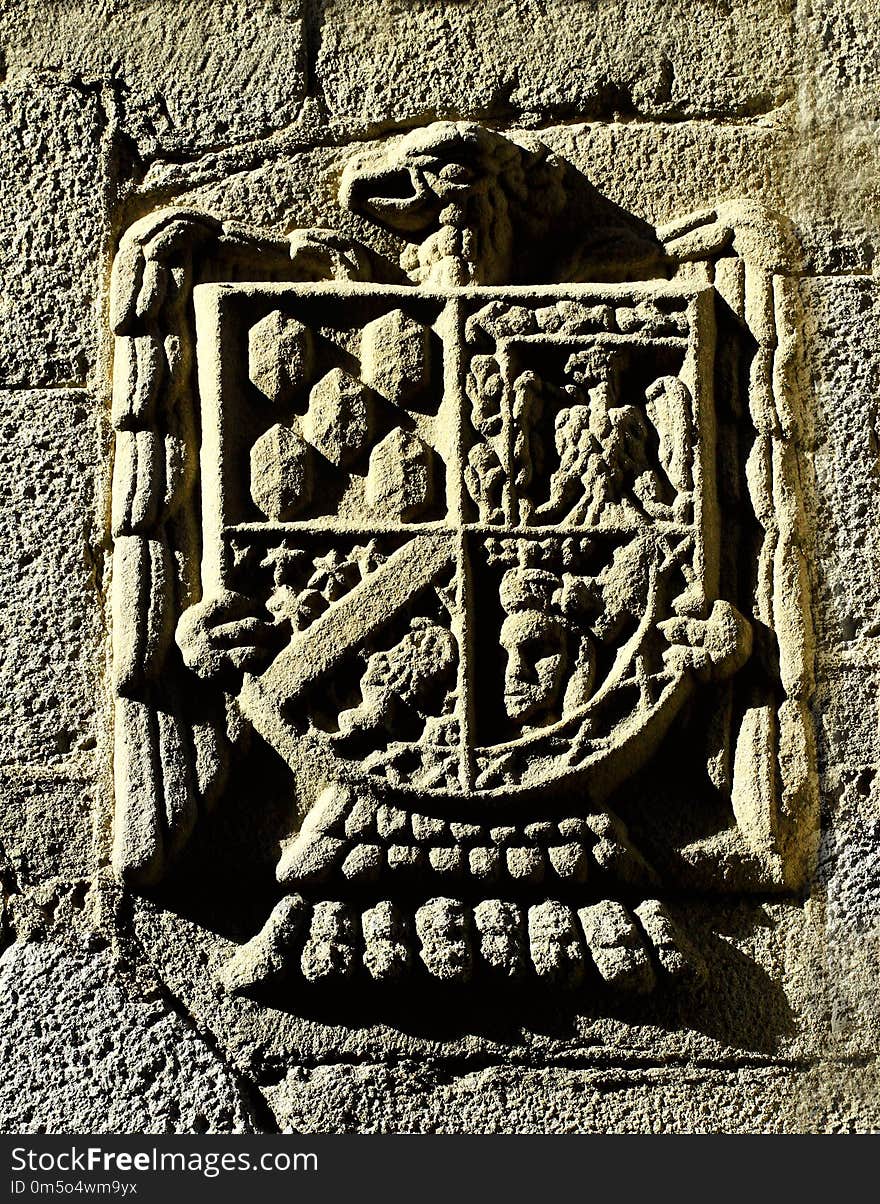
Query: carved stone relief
pixel 498 549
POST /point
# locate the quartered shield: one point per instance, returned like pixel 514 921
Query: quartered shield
pixel 469 509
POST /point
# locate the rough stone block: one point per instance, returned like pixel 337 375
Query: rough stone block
pixel 842 372
pixel 280 354
pixel 556 945
pixel 400 478
pixel 394 356
pixel 443 929
pixel 46 826
pixel 616 946
pixel 837 39
pixel 387 954
pixel 493 59
pixel 84 1051
pixel 52 231
pixel 415 1098
pixel 503 944
pixel 340 417
pixel 49 652
pixel 196 76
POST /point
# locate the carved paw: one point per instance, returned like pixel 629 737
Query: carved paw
pixel 713 648
pixel 226 634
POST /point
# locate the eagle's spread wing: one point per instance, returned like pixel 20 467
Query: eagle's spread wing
pixel 171 735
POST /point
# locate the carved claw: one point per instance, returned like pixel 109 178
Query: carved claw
pixel 317 847
pixel 714 648
pixel 266 956
pixel 755 233
pixel 324 255
pixel 226 634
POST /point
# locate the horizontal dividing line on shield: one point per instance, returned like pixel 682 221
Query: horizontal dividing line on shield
pixel 331 526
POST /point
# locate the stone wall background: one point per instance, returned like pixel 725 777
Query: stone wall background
pixel 250 109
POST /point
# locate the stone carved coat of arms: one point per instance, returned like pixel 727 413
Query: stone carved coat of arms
pixel 499 550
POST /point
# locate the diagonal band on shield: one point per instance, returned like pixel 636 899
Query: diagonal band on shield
pixel 357 616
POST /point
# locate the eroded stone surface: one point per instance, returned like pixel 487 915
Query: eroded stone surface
pixel 400 481
pixel 50 630
pixel 485 57
pixel 280 355
pixel 339 420
pixel 394 356
pixel 52 230
pixel 434 615
pixel 85 1052
pixel 847 615
pixel 194 78
pixel 281 477
pixel 410 1098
